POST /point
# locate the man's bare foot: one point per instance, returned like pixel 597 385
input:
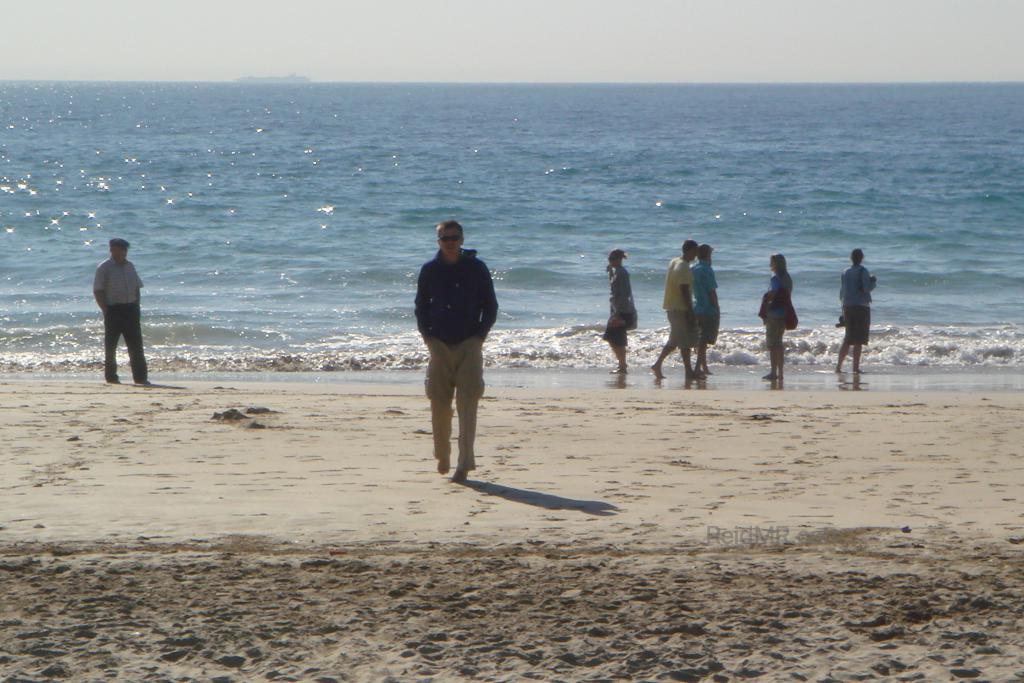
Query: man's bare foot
pixel 443 466
pixel 656 369
pixel 771 377
pixel 459 477
pixel 617 371
pixel 691 376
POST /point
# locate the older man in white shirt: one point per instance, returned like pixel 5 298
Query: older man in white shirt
pixel 116 288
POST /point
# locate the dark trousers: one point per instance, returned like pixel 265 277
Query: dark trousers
pixel 123 319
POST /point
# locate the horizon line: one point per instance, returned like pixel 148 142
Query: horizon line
pixel 244 80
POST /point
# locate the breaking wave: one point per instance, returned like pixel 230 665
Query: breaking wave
pixel 575 347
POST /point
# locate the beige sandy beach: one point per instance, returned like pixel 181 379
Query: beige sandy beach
pixel 638 534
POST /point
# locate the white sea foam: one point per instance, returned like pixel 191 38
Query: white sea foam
pixel 578 347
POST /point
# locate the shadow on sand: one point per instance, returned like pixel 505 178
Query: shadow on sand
pixel 543 500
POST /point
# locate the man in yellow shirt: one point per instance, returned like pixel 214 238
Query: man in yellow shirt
pixel 678 305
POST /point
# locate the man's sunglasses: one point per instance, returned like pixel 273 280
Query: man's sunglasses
pixel 449 238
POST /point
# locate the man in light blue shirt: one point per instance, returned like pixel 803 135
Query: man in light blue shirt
pixel 855 287
pixel 705 296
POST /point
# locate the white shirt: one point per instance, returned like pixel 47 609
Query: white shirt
pixel 119 282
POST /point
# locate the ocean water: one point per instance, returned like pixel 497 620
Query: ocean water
pixel 282 227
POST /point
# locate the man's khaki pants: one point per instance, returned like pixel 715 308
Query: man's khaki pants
pixel 455 370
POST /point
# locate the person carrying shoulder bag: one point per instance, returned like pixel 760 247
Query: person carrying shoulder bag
pixel 855 286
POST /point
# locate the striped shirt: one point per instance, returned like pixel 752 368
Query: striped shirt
pixel 621 299
pixel 118 282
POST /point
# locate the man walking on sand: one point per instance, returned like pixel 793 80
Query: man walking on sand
pixel 678 305
pixel 116 288
pixel 705 304
pixel 455 309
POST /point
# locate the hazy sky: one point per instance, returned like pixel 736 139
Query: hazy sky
pixel 516 40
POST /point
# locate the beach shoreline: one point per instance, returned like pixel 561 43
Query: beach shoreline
pixel 725 378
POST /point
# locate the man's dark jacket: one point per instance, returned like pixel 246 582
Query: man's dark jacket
pixel 455 301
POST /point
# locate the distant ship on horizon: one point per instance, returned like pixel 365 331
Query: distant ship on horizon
pixel 290 78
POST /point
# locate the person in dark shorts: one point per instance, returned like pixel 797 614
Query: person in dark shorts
pixel 623 310
pixel 855 286
pixel 705 304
